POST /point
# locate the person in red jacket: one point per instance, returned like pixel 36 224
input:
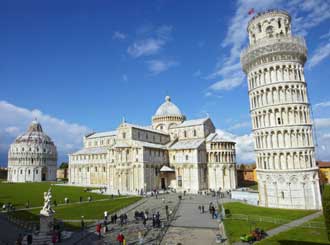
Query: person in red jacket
pixel 98 230
pixel 120 238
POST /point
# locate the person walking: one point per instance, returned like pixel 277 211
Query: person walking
pixel 140 238
pixel 203 209
pixel 98 230
pixel 29 239
pixel 120 238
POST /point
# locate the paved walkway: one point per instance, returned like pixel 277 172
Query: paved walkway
pixel 8 231
pixel 288 226
pixel 192 227
pixel 293 224
pixel 133 227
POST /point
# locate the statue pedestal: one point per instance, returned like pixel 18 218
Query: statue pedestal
pixel 46 223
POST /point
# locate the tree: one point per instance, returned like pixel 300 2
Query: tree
pixel 64 165
pixel 326 208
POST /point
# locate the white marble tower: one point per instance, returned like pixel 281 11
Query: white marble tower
pixel 281 121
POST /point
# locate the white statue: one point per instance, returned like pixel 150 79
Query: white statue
pixel 47 208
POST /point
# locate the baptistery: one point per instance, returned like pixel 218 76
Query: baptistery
pixel 32 157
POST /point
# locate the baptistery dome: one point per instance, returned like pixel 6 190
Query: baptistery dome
pixel 167 115
pixel 32 156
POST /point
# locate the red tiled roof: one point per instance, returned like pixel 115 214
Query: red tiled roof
pixel 323 164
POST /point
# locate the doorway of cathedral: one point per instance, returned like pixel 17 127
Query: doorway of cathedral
pixel 162 183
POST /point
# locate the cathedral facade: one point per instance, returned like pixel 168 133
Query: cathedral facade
pixel 281 119
pixel 185 155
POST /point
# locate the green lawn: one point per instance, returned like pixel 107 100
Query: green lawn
pixel 254 187
pixel 90 210
pixel 235 228
pixel 19 193
pixel 299 235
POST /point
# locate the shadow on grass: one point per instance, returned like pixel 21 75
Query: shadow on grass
pixel 292 242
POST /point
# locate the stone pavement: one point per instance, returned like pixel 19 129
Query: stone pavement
pixel 190 226
pixel 131 230
pixel 8 231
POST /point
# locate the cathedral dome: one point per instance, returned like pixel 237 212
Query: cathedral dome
pixel 168 109
pixel 167 115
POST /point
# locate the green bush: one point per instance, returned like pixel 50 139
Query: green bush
pixel 227 212
pixel 326 208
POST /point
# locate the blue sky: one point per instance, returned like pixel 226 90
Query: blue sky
pixel 80 66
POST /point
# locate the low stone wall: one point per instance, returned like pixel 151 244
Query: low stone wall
pixel 250 197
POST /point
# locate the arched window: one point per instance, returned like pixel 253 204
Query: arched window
pixel 269 31
pixel 185 134
pixel 259 27
pixel 195 133
pixel 187 157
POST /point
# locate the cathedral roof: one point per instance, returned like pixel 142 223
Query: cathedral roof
pixel 168 109
pixel 215 137
pixel 193 122
pixel 186 144
pixel 91 150
pixel 102 134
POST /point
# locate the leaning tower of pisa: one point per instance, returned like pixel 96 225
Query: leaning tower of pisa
pixel 279 107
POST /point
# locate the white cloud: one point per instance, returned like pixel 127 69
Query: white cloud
pixel 322 104
pixel 227 83
pixel 322 129
pixel 157 66
pixel 244 146
pixel 15 120
pixel 152 44
pixel 119 35
pixel 307 14
pixel 319 55
pixel 240 125
pixel 145 47
pixel 322 123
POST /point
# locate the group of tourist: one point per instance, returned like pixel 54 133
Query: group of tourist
pixel 144 216
pixel 8 207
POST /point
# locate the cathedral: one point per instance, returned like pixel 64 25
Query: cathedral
pixel 171 153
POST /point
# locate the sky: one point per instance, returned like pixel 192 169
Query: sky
pixel 80 66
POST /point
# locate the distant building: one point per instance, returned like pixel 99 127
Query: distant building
pixel 246 177
pixel 187 155
pixel 32 157
pixel 324 168
pixel 3 173
pixel 62 173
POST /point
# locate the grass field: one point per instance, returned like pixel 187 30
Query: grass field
pixel 90 210
pixel 19 193
pixel 299 235
pixel 236 228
